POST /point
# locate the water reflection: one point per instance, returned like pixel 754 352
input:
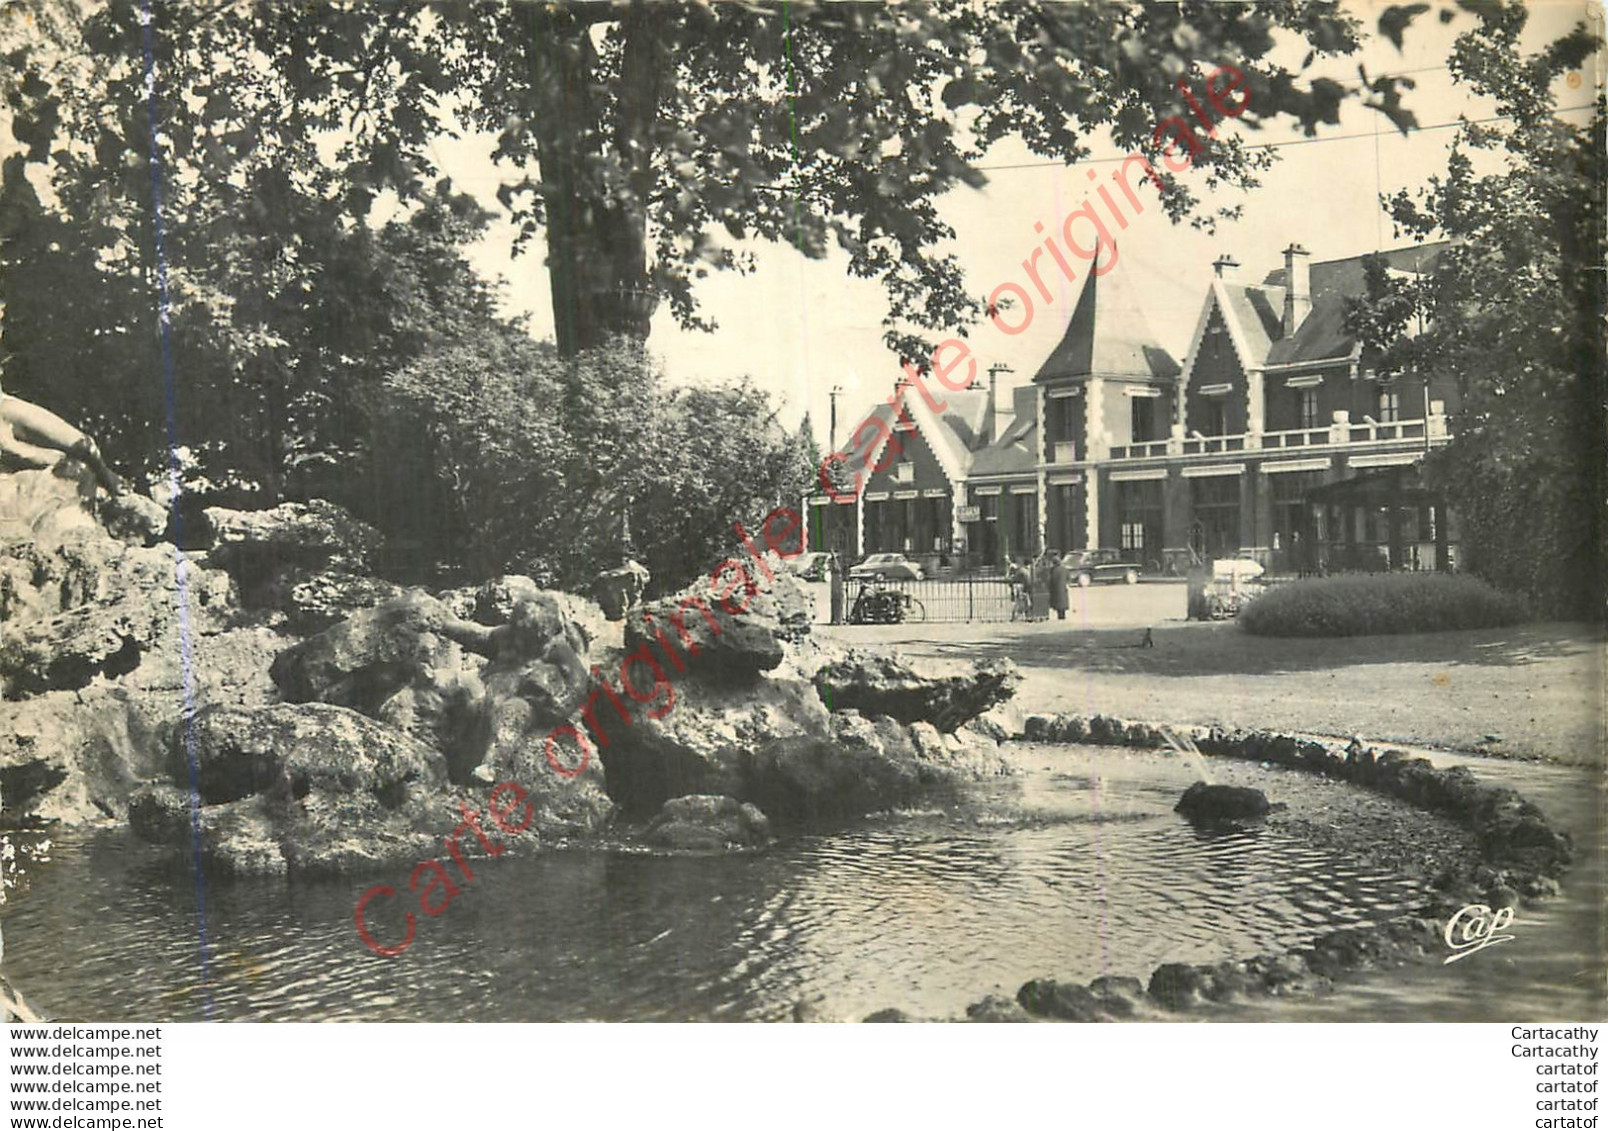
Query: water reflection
pixel 1063 874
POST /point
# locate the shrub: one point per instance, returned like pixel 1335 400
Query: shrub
pixel 502 457
pixel 1378 604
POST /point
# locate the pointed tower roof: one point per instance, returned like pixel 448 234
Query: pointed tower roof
pixel 1108 336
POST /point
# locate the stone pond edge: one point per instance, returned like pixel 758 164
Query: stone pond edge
pixel 1521 855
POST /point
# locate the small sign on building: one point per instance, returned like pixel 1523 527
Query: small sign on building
pixel 969 513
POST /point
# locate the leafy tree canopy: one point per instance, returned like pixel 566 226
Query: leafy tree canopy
pixel 1513 314
pixel 646 140
pixel 507 458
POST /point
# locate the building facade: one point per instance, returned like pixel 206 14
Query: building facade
pixel 1274 439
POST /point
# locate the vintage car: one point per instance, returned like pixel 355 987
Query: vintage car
pixel 1237 569
pixel 887 567
pixel 1102 565
pixel 1234 584
pixel 809 567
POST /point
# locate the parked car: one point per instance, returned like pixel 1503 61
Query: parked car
pixel 809 567
pixel 887 567
pixel 1237 569
pixel 1103 565
pixel 1235 583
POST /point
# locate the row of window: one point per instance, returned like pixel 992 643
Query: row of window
pixel 1308 413
pixel 1145 427
pixel 1308 416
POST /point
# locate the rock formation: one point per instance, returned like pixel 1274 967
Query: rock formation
pixel 700 821
pixel 310 788
pixel 312 562
pixel 91 669
pixel 750 722
pixel 876 684
pixel 1205 804
pixel 273 703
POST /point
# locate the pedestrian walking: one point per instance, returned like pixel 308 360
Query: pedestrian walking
pixel 834 569
pixel 1058 591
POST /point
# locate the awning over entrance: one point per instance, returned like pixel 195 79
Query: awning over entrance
pixel 1402 486
pixel 1384 518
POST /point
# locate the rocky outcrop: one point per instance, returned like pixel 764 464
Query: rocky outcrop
pixel 92 669
pixel 1206 804
pixel 707 822
pixel 116 605
pixel 308 788
pixel 734 631
pixel 772 742
pixel 309 561
pixel 122 662
pixel 77 755
pixel 708 737
pixel 862 766
pixel 314 600
pixel 396 664
pixel 369 657
pixel 732 711
pixel 256 544
pixel 78 603
pixel 294 749
pixel 948 696
pixel 486 696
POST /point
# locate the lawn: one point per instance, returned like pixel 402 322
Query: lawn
pixel 1536 689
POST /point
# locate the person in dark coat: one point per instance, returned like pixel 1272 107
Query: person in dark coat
pixel 1058 596
pixel 834 565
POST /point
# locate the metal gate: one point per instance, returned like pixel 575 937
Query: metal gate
pixel 963 599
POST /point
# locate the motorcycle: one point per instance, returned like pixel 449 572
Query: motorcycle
pixel 876 605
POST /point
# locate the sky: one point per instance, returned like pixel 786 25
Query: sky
pixel 800 327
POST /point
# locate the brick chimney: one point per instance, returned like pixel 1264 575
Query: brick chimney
pixel 1223 266
pixel 1297 287
pixel 991 413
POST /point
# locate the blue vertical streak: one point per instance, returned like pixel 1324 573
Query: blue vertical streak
pixel 181 584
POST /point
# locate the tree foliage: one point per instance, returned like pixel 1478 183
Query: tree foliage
pixel 285 297
pixel 508 458
pixel 1513 313
pixel 255 188
pixel 646 141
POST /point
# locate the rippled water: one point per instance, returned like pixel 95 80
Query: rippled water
pixel 1057 874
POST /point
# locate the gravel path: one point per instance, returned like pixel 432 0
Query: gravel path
pixel 1536 690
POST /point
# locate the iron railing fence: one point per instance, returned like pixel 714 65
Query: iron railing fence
pixel 958 599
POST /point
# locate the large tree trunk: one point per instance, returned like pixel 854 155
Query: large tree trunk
pixel 596 241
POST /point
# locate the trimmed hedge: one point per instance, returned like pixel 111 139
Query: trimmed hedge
pixel 1380 604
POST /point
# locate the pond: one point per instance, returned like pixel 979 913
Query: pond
pixel 1076 867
